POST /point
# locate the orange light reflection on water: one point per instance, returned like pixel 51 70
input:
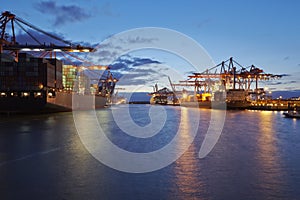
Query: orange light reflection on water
pixel 268 153
pixel 187 167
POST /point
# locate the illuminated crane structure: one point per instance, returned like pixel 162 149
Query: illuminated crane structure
pixel 9 43
pixel 230 75
pixel 62 48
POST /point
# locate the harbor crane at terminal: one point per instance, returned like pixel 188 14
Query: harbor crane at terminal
pixel 53 47
pixel 230 75
pixel 9 43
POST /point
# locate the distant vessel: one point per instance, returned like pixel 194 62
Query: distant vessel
pixel 292 114
pixel 293 111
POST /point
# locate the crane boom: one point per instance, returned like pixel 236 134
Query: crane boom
pixel 15 47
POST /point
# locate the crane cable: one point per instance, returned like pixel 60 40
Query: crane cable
pixel 44 32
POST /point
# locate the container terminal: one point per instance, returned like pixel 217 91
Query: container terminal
pixel 227 85
pixel 32 78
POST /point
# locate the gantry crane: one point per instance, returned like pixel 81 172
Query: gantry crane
pixel 65 48
pixel 9 43
pixel 230 74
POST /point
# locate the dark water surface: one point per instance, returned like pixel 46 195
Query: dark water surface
pixel 256 157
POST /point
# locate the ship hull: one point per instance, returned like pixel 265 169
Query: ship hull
pixel 15 104
pixel 60 103
pixel 203 104
pixel 71 101
pixel 217 105
pixel 292 114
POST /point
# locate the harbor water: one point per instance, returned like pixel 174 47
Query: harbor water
pixel 257 156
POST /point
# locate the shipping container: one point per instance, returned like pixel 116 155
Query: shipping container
pixel 24 84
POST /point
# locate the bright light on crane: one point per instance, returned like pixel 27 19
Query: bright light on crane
pixel 12 45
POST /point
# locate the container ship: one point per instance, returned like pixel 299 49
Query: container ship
pixel 42 84
pixel 33 82
pixel 231 99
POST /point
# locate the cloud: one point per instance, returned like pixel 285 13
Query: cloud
pixel 132 79
pixel 135 40
pixel 282 82
pixel 112 49
pixel 118 52
pixel 143 61
pixel 63 13
pixel 290 88
pixel 142 76
pixel 107 10
pixel 133 71
pixel 275 83
pixel 23 38
pixel 128 62
pixel 290 82
pixel 285 75
pixel 287 82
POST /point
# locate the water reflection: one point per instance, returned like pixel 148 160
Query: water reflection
pixel 187 170
pixel 257 157
pixel 268 156
pixel 295 123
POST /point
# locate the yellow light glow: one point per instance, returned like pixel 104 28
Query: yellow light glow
pixel 38 49
pixel 25 49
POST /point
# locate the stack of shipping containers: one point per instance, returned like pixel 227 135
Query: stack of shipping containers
pixel 56 80
pixel 24 84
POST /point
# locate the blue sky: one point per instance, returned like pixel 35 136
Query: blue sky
pixel 265 33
